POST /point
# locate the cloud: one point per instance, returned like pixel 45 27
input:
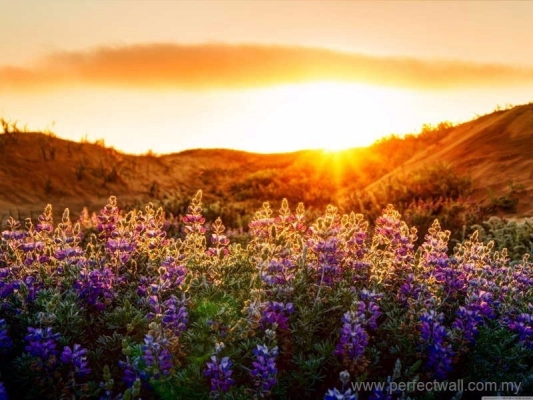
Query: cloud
pixel 223 66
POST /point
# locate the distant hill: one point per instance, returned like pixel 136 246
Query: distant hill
pixel 494 151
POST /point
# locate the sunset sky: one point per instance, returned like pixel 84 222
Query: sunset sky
pixel 265 76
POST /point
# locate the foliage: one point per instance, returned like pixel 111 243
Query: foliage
pixel 515 236
pixel 114 307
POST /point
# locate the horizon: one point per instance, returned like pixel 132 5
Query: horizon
pixel 24 129
pixel 240 76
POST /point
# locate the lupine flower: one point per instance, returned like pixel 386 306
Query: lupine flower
pixel 96 287
pixel 3 392
pixel 326 244
pixel 434 337
pixel 410 289
pixel 390 230
pixel 219 374
pixel 108 218
pixel 336 394
pixel 378 394
pixel 369 309
pixel 121 248
pixel 478 306
pixel 41 342
pixel 260 226
pixel 467 322
pixel 264 368
pixel 68 253
pixel 353 339
pixel 172 312
pixel 343 394
pixel 172 274
pixel 8 288
pixel 278 272
pixel 13 235
pixel 523 325
pixel 396 239
pixel 129 370
pixel 156 356
pixel 45 221
pixel 77 357
pixel 193 220
pixel 275 312
pixel 219 241
pixel 6 343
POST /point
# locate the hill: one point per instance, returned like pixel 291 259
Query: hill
pixel 492 153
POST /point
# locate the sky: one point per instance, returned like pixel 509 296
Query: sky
pixel 262 76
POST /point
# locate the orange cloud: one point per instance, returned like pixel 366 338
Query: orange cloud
pixel 221 66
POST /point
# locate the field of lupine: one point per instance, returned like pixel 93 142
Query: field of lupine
pixel 117 307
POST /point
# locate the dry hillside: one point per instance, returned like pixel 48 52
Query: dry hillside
pixel 35 169
pixel 495 150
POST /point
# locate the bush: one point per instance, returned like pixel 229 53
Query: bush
pixel 130 312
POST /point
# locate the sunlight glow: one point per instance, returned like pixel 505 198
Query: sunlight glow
pixel 328 115
pixel 325 115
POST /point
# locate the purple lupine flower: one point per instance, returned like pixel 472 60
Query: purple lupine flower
pixel 96 287
pixel 467 322
pixel 45 221
pixel 219 241
pixel 108 218
pixel 121 248
pixel 328 264
pixel 523 325
pixel 279 272
pixel 3 392
pixel 6 343
pixel 8 288
pixel 264 369
pixel 129 370
pixel 219 374
pixel 394 236
pixel 343 394
pixel 193 220
pixel 434 337
pixel 156 356
pixel 172 273
pixel 369 312
pixel 353 339
pixel 68 253
pixel 260 226
pixel 144 283
pixel 41 342
pixel 410 289
pixel 175 315
pixel 77 357
pixel 479 305
pixel 13 235
pixel 336 394
pixel 275 312
pixel 379 394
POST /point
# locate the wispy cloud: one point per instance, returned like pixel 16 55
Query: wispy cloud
pixel 222 66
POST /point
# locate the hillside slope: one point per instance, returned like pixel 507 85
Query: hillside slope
pixel 35 169
pixel 495 150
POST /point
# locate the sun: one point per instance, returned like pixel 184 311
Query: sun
pixel 326 115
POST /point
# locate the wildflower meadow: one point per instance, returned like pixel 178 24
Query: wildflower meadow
pixel 130 305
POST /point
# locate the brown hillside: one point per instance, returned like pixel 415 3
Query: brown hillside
pixel 495 150
pixel 37 169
